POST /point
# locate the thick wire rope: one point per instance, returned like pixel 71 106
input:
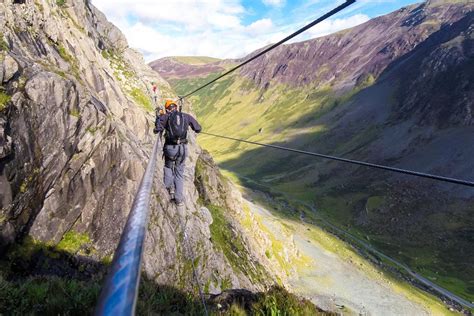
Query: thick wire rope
pixel 351 161
pixel 286 39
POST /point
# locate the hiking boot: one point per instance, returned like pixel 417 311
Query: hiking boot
pixel 180 203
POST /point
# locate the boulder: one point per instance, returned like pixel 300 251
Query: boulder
pixel 10 68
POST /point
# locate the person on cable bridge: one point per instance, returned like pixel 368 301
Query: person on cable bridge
pixel 175 124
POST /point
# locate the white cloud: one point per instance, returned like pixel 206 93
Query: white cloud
pixel 331 26
pixel 260 26
pixel 275 3
pixel 215 28
pixel 190 13
pixel 224 44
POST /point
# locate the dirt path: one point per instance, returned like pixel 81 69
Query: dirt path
pixel 332 281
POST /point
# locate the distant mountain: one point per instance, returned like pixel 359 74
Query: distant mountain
pixel 180 67
pixel 195 60
pixel 397 90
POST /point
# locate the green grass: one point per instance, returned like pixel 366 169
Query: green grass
pixel 73 241
pixel 122 70
pixel 24 187
pixel 3 44
pixel 61 296
pixel 195 60
pixel 64 53
pixel 75 112
pixel 277 248
pixel 27 293
pixel 4 99
pixel 26 182
pixel 39 6
pixel 25 250
pixel 50 295
pixel 156 299
pixel 92 130
pixel 71 60
pixel 47 296
pixel 77 25
pixel 141 99
pixel 278 301
pixel 128 79
pixel 3 218
pixel 61 3
pixel 374 202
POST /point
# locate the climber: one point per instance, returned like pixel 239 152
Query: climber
pixel 154 88
pixel 159 111
pixel 175 124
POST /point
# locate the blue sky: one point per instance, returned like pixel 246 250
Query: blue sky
pixel 229 28
pixel 279 11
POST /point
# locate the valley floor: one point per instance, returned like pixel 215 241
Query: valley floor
pixel 336 278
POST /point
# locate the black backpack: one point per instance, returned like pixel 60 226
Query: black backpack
pixel 177 128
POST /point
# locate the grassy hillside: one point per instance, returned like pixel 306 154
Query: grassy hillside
pixel 404 103
pixel 195 60
pixel 360 202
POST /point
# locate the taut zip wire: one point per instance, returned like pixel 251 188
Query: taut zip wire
pixel 355 162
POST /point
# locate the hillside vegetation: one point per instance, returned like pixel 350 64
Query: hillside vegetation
pixel 398 91
pixel 195 60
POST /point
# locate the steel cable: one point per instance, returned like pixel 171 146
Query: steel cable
pixel 120 291
pixel 351 161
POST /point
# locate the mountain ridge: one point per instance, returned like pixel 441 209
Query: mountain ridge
pixel 273 67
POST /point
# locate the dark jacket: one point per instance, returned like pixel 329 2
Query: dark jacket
pixel 162 121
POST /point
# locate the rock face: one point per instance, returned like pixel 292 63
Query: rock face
pixel 75 135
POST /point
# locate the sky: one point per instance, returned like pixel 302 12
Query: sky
pixel 229 28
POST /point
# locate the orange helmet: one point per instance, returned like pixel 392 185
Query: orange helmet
pixel 169 103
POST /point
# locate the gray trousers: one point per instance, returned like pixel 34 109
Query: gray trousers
pixel 175 156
